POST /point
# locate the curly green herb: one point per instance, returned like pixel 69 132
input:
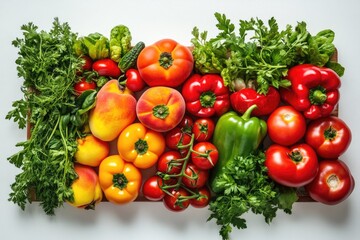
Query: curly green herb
pixel 48 65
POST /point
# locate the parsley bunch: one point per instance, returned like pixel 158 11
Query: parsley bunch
pixel 259 52
pixel 248 188
pixel 47 64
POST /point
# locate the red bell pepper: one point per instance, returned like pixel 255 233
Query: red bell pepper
pixel 206 95
pixel 314 90
pixel 242 99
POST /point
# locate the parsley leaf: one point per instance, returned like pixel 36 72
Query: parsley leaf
pixel 47 64
pixel 248 188
pixel 260 51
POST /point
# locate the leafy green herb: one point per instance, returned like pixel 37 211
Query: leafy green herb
pixel 248 188
pixel 48 65
pixel 260 52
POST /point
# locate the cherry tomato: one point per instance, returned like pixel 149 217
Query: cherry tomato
pixel 107 67
pixel 293 167
pixel 87 63
pixel 186 124
pixel 152 188
pixel 167 162
pixel 330 136
pixel 203 199
pixel 134 82
pixel 175 138
pixel 286 125
pixel 205 155
pixel 333 183
pixel 203 129
pixel 84 85
pixel 194 177
pixel 177 201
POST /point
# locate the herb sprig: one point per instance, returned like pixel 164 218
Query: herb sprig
pixel 48 66
pixel 248 188
pixel 260 52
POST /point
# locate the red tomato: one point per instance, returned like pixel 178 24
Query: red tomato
pixel 106 67
pixel 186 124
pixel 203 199
pixel 203 129
pixel 176 138
pixel 87 63
pixel 205 155
pixel 165 63
pixel 134 82
pixel 84 85
pixel 292 167
pixel 330 136
pixel 167 163
pixel 286 126
pixel 333 183
pixel 194 177
pixel 152 188
pixel 177 201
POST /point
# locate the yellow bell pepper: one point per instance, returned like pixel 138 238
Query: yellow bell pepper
pixel 140 145
pixel 119 180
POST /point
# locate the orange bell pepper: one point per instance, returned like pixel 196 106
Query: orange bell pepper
pixel 119 180
pixel 140 145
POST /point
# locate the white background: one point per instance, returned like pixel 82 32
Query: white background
pixel 150 21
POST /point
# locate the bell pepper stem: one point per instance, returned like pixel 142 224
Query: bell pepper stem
pixel 247 113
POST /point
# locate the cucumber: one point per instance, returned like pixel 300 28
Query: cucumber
pixel 129 59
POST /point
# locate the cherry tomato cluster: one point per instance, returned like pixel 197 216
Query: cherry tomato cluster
pixel 183 170
pixel 303 150
pixel 306 154
pixel 94 74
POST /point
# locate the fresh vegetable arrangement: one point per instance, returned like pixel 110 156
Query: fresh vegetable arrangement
pixel 236 123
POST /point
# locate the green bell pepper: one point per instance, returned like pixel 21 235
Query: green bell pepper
pixel 235 135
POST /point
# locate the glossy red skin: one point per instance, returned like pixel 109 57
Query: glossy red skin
pixel 192 170
pixel 203 129
pixel 151 188
pixel 186 124
pixel 88 63
pixel 107 67
pixel 198 84
pixel 201 162
pixel 84 85
pixel 176 137
pixel 170 200
pixel 305 77
pixel 286 125
pixel 282 169
pixel 201 202
pixel 165 159
pixel 134 82
pixel 333 183
pixel 325 147
pixel 243 99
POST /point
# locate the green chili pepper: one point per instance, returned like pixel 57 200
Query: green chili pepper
pixel 235 135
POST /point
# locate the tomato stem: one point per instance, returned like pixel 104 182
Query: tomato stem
pixel 166 60
pixel 296 156
pixel 330 133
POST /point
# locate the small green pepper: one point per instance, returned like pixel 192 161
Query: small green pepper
pixel 235 135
